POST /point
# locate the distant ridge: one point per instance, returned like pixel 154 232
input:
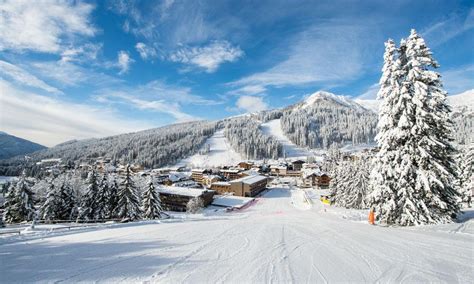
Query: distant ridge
pixel 11 146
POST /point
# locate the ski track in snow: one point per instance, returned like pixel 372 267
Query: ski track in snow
pixel 220 154
pixel 273 128
pixel 282 238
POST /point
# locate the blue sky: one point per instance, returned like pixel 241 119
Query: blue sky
pixel 75 70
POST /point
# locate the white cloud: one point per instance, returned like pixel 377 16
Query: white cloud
pixel 50 121
pixel 459 79
pixel 161 106
pixel 156 96
pixel 370 93
pixel 69 74
pixel 326 53
pixel 145 51
pixel 249 90
pixel 251 104
pixel 23 77
pixel 43 26
pixel 84 53
pixel 449 28
pixel 124 61
pixel 209 57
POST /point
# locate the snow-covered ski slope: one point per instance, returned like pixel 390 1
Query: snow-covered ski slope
pixel 220 154
pixel 273 128
pixel 277 240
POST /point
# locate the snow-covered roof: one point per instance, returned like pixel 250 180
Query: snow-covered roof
pixel 198 170
pixel 221 183
pixel 249 179
pixel 186 191
pixel 235 171
pixel 231 201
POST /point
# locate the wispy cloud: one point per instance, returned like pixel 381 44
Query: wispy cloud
pixel 161 106
pixel 145 51
pixel 208 57
pixel 156 96
pixel 460 79
pixel 251 104
pixel 82 53
pixel 43 26
pixel 69 74
pixel 25 78
pixel 452 26
pixel 324 53
pixel 124 61
pixel 57 121
pixel 370 93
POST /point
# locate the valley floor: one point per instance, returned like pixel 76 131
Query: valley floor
pixel 284 237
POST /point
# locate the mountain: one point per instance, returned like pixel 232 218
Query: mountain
pixel 11 146
pixel 316 122
pixel 324 118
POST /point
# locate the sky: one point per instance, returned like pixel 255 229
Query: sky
pixel 75 70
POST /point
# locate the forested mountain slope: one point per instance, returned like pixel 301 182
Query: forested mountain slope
pixel 324 118
pixel 149 148
pixel 11 146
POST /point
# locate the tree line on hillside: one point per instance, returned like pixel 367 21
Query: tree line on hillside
pixel 326 123
pixel 245 137
pixel 150 148
pixel 100 197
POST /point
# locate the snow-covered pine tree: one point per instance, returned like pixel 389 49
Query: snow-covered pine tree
pixel 103 197
pixel 89 204
pixel 340 181
pixel 68 203
pixel 51 205
pixel 128 206
pixel 9 215
pixel 467 176
pixel 416 165
pixel 113 199
pixel 383 177
pixel 19 203
pixel 151 202
pixel 356 188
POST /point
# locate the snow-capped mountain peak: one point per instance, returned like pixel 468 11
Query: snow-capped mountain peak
pixel 463 101
pixel 319 96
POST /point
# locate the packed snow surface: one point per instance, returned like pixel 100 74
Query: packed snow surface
pixel 273 128
pixel 220 154
pixel 281 238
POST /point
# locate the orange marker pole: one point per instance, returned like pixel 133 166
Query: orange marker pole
pixel 371 217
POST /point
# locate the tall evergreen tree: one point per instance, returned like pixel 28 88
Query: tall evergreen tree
pixel 9 215
pixel 19 202
pixel 467 176
pixel 49 210
pixel 67 202
pixel 103 198
pixel 414 171
pixel 89 205
pixel 383 176
pixel 128 206
pixel 151 202
pixel 113 199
